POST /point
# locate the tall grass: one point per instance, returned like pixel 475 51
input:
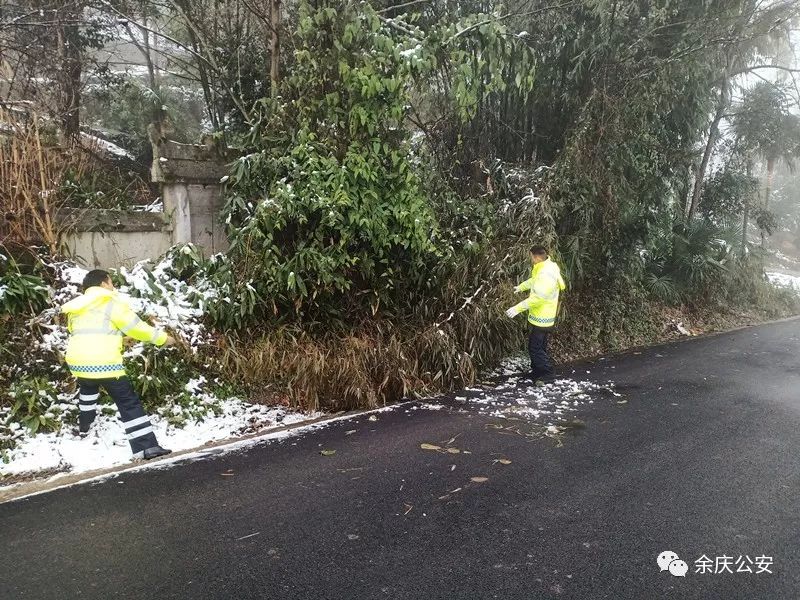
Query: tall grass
pixel 372 364
pixel 32 169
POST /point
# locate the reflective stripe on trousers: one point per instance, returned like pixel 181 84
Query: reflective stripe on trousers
pixel 138 428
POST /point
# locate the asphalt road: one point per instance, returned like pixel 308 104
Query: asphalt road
pixel 698 456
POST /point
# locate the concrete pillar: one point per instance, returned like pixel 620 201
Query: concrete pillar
pixel 190 176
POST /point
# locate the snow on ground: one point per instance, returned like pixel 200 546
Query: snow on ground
pixel 170 303
pixel 513 365
pixel 784 280
pixel 546 405
pixel 205 453
pixel 106 445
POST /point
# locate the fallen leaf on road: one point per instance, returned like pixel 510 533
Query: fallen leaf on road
pixel 227 474
pixel 409 508
pixel 479 479
pixel 454 450
pixel 351 432
pixel 327 452
pixel 622 401
pixel 504 461
pixel 430 447
pixel 352 536
pixel 373 418
pixel 452 467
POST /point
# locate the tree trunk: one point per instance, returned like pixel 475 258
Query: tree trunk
pixel 768 192
pixel 275 46
pixel 746 216
pixel 713 135
pixel 770 179
pixel 157 115
pixel 69 75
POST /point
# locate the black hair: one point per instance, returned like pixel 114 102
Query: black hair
pixel 539 251
pixel 95 278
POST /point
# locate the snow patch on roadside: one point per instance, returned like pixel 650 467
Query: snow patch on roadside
pixel 785 281
pixel 513 365
pixel 545 405
pixel 106 445
pixel 205 453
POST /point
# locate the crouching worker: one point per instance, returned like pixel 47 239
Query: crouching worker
pixel 97 321
pixel 542 306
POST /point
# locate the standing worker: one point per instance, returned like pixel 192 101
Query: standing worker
pixel 97 322
pixel 542 305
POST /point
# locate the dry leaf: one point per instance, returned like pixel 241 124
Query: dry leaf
pixel 504 461
pixel 454 450
pixel 351 432
pixel 227 474
pixel 327 452
pixel 479 479
pixel 372 418
pixel 430 447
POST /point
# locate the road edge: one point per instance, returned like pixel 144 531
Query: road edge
pixel 35 487
pixel 26 489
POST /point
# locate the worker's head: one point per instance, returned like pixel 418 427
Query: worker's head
pixel 97 278
pixel 538 254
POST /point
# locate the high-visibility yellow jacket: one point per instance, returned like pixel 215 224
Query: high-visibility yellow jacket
pixel 97 322
pixel 545 284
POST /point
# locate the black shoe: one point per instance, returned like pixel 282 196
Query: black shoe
pixel 155 452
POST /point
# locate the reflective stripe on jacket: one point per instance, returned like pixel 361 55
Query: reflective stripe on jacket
pixel 97 322
pixel 545 284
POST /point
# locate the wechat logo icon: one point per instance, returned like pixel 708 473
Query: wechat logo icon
pixel 669 561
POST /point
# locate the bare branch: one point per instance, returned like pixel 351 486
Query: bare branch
pixel 405 5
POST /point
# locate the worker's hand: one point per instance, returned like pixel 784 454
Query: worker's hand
pixel 512 312
pixel 170 341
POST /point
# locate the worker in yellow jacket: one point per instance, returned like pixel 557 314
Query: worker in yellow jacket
pixel 544 285
pixel 97 322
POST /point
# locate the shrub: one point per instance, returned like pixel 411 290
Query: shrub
pixel 327 215
pixel 33 403
pixel 20 294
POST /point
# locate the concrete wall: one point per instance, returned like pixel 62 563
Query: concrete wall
pixel 190 176
pixel 97 250
pixel 111 238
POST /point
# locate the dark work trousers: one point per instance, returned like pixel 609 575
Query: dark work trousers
pixel 137 425
pixel 541 367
